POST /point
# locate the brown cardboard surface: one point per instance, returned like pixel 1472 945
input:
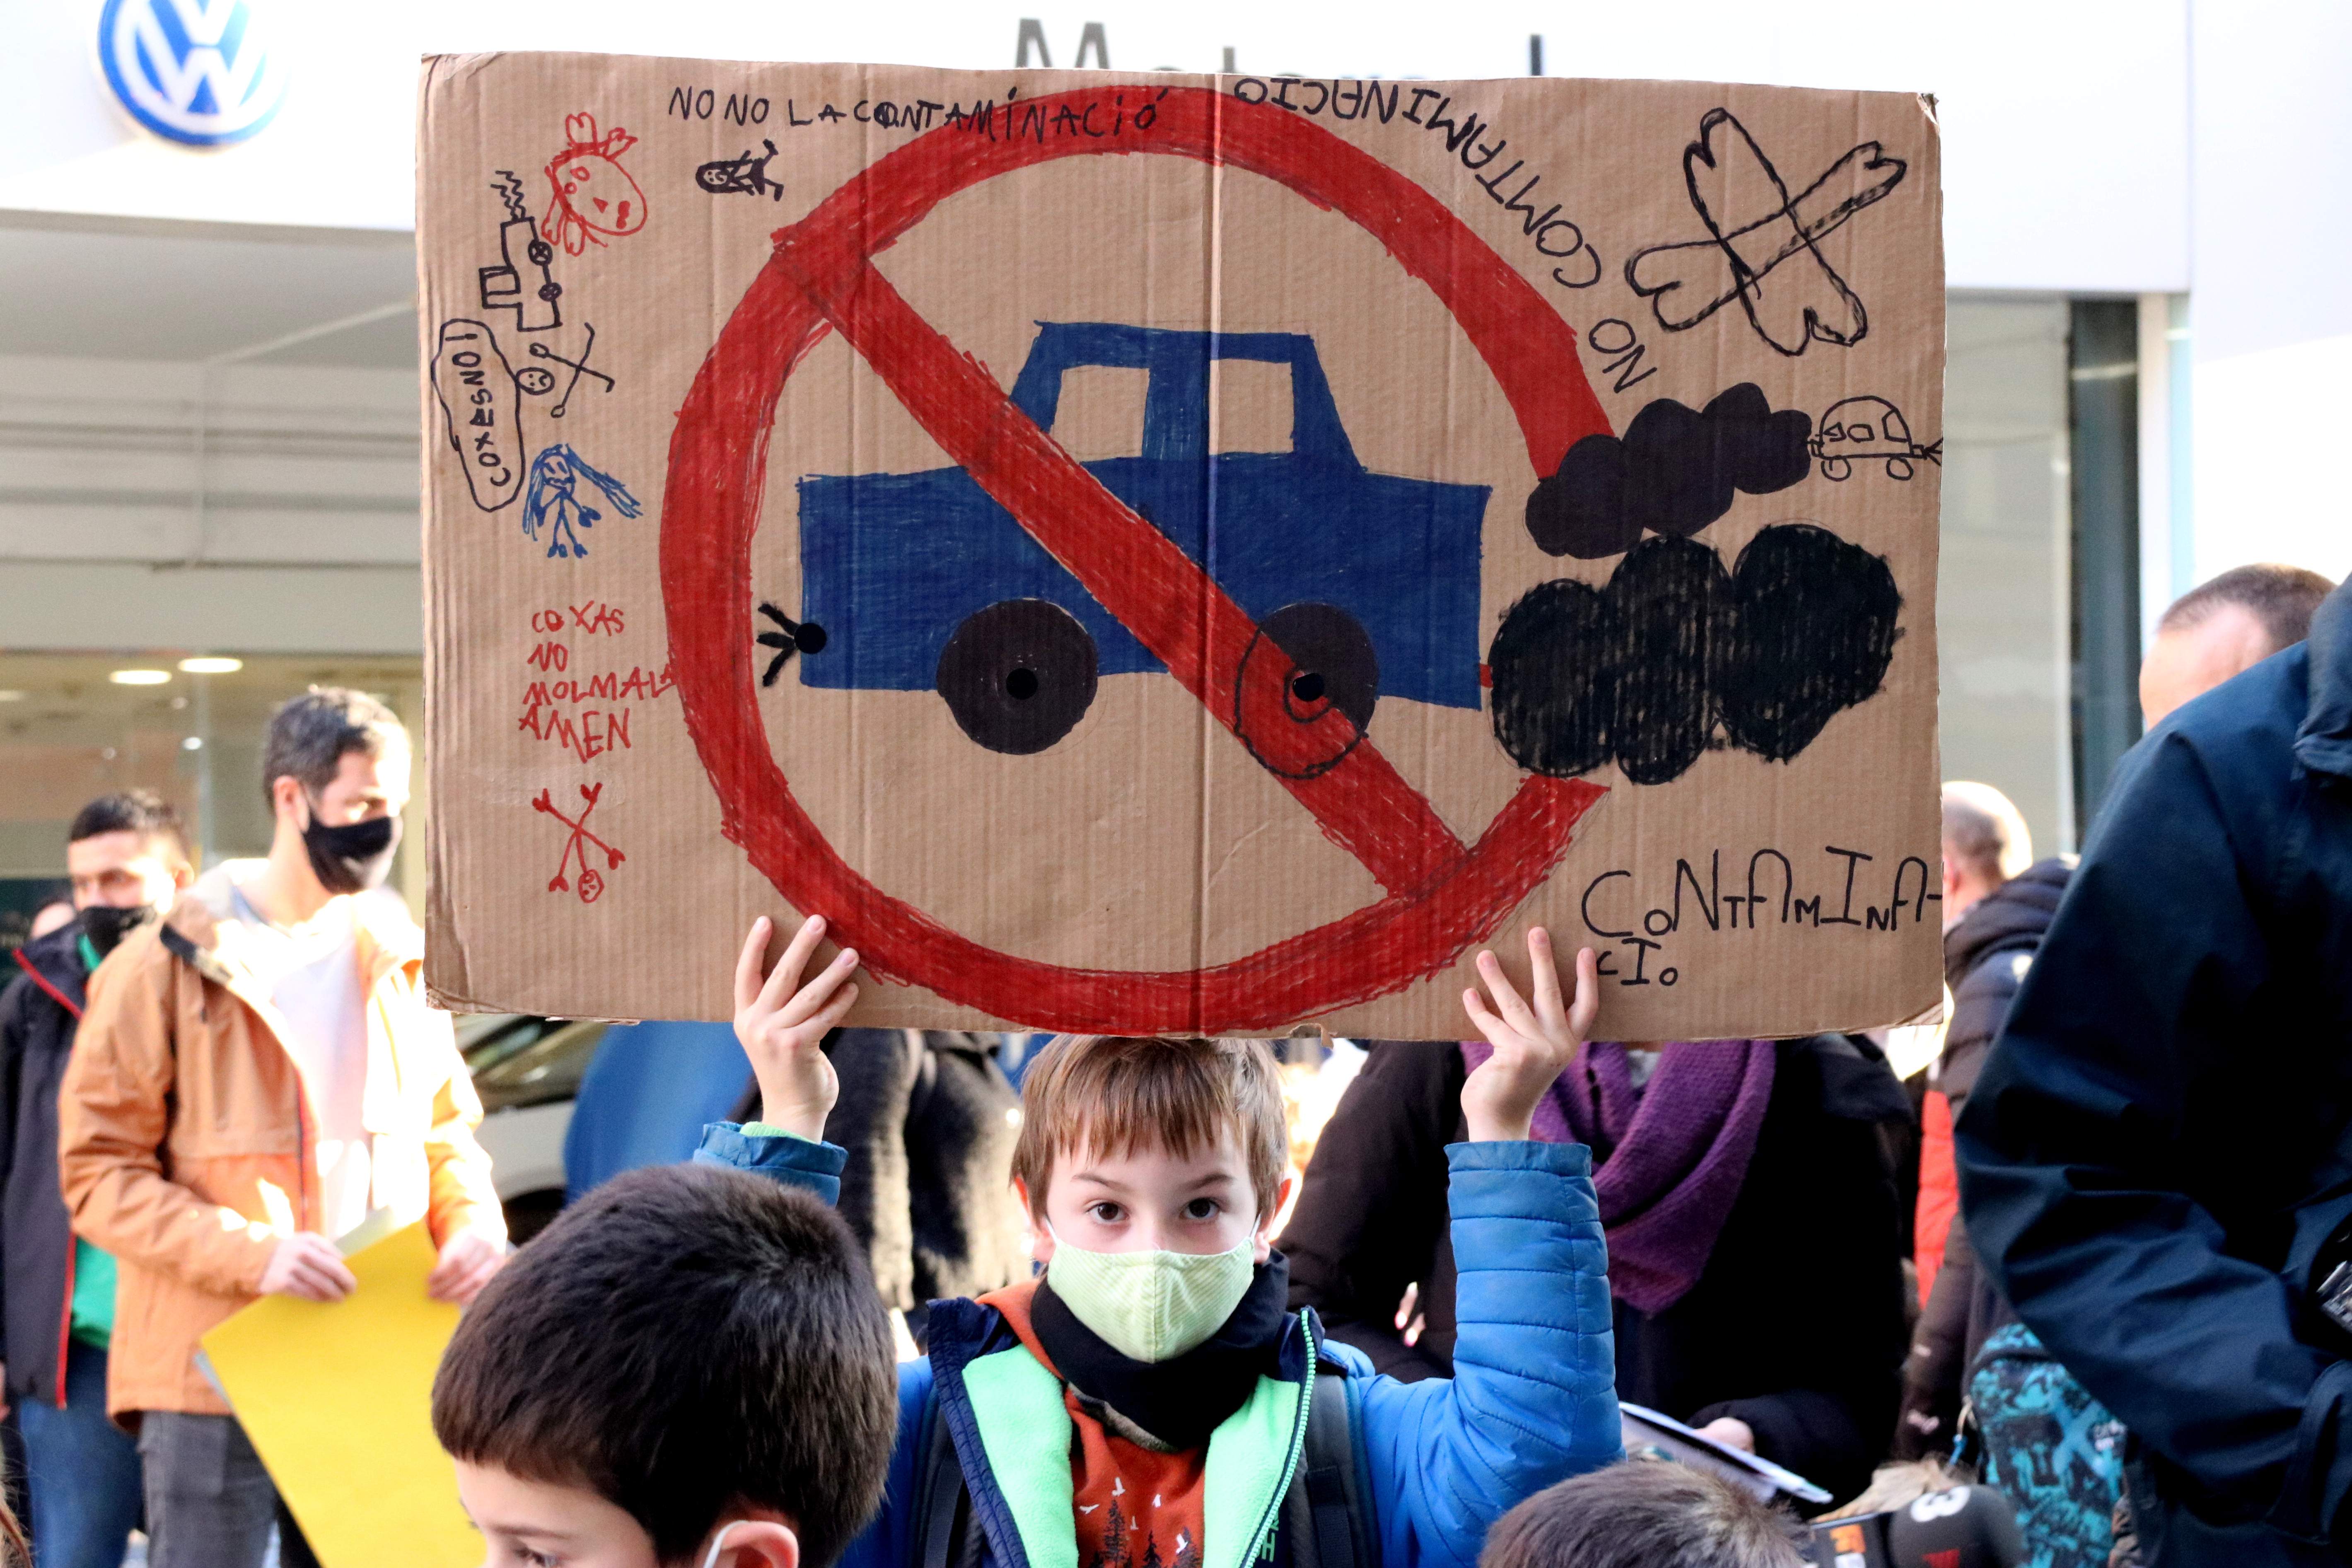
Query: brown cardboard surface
pixel 1717 679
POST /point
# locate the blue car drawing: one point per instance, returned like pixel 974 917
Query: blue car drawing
pixel 1368 582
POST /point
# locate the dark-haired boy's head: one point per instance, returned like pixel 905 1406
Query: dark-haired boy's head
pixel 1643 1514
pixel 686 1345
pixel 126 850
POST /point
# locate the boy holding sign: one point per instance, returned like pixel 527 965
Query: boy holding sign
pixel 1149 1402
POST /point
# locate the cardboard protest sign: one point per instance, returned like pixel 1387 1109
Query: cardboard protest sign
pixel 1149 552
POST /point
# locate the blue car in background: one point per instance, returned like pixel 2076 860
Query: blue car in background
pixel 1368 582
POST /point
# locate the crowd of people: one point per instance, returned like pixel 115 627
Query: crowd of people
pixel 2091 1258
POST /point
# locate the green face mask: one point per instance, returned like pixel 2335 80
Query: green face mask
pixel 1152 1306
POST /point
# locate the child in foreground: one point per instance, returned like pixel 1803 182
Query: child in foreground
pixel 1150 1402
pixel 689 1365
pixel 1646 1513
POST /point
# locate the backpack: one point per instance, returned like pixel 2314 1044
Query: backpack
pixel 2046 1444
pixel 1327 1516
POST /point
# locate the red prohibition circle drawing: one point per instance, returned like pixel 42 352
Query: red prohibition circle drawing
pixel 1442 896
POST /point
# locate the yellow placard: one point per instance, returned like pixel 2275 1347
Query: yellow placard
pixel 338 1401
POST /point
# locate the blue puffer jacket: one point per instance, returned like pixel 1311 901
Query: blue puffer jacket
pixel 1532 1401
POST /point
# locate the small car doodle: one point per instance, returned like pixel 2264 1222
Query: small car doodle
pixel 593 195
pixel 746 176
pixel 554 498
pixel 591 881
pixel 1870 430
pixel 502 285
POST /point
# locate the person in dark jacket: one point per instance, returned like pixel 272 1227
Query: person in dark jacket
pixel 2156 1159
pixel 1987 952
pixel 1986 844
pixel 2051 1449
pixel 1754 1247
pixel 929 1121
pixel 127 859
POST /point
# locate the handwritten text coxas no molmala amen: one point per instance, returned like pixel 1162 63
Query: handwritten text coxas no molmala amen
pixel 573 705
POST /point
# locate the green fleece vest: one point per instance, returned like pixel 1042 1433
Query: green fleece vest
pixel 1024 1430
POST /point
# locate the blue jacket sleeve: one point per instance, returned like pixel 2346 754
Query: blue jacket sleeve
pixel 1533 1398
pixel 795 1161
pixel 2138 1063
pixel 891 1539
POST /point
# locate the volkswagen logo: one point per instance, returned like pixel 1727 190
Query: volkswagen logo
pixel 202 72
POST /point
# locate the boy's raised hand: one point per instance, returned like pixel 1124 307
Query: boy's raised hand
pixel 1533 1045
pixel 782 1024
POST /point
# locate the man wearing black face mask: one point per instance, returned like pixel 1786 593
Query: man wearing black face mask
pixel 273 1035
pixel 127 858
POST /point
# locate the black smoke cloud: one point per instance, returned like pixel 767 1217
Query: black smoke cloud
pixel 1675 651
pixel 1674 472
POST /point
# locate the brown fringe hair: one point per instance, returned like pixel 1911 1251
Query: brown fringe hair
pixel 1114 1094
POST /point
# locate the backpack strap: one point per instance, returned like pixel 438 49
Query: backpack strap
pixel 1329 1510
pixel 941 1502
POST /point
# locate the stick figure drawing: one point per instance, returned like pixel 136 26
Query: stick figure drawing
pixel 554 498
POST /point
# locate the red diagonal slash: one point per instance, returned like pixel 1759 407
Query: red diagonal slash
pixel 1442 897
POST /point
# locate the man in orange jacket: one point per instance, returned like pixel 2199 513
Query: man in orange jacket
pixel 253 1076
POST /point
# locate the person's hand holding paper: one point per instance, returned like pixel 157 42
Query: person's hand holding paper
pixel 307 1265
pixel 467 1262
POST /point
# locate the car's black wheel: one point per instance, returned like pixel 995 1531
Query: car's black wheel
pixel 1337 667
pixel 1018 676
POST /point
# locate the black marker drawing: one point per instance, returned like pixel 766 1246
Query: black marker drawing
pixel 1336 664
pixel 1870 430
pixel 478 408
pixel 1754 227
pixel 797 636
pixel 542 381
pixel 1674 472
pixel 1018 675
pixel 502 285
pixel 746 176
pixel 1649 670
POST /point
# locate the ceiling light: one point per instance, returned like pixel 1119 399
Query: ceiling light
pixel 211 666
pixel 140 676
pixel 193 743
pixel 11 697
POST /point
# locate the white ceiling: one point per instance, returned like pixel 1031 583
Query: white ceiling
pixel 150 289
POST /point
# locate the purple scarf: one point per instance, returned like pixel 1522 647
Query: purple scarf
pixel 1676 1152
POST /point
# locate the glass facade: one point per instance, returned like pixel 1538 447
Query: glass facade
pixel 2004 590
pixel 74 726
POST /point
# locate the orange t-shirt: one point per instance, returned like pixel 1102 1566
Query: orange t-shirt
pixel 1939 1191
pixel 1137 1508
